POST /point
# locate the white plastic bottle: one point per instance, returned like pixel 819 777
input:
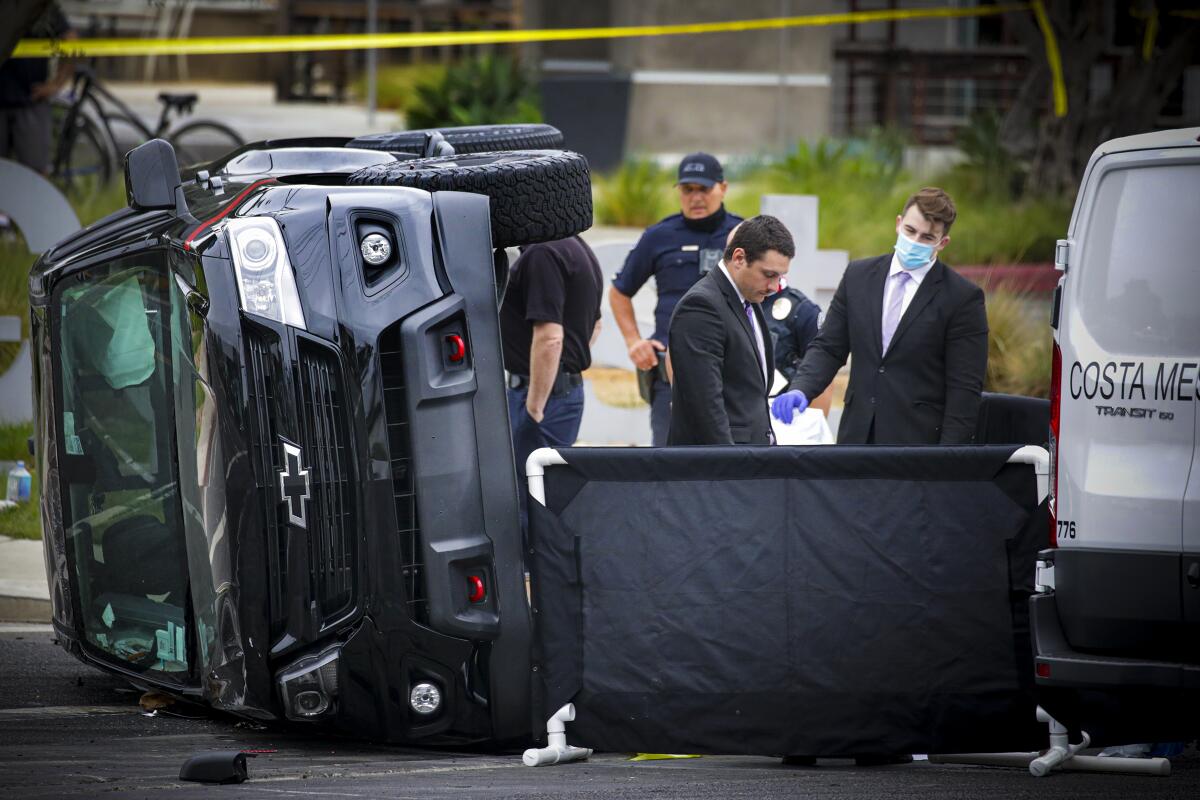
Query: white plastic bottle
pixel 18 484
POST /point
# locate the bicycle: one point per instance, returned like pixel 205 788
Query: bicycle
pixel 88 151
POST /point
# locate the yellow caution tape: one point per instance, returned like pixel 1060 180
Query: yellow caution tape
pixel 1150 35
pixel 89 48
pixel 1052 56
pixel 235 45
pixel 660 756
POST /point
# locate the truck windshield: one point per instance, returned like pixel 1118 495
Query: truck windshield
pixel 122 332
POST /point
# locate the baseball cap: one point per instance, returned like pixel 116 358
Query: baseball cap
pixel 700 168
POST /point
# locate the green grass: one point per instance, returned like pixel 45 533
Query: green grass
pixel 23 520
pixel 14 440
pixel 15 261
pixel 101 204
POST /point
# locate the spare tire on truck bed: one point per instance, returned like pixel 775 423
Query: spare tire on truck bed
pixel 466 139
pixel 536 195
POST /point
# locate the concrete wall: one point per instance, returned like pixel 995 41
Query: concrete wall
pixel 716 91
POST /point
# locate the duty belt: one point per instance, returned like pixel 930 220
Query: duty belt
pixel 565 382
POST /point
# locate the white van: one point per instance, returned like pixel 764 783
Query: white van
pixel 1118 601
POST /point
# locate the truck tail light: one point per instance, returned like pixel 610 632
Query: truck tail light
pixel 1055 403
pixel 456 348
pixel 476 589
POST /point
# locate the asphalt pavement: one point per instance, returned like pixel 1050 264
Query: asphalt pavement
pixel 67 730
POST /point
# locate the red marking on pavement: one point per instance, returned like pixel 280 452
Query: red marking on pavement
pixel 187 243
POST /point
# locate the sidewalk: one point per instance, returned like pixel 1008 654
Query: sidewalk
pixel 252 111
pixel 24 595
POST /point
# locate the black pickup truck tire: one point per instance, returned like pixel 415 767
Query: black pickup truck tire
pixel 467 139
pixel 536 195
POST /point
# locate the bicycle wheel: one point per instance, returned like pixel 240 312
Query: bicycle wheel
pixel 81 160
pixel 126 134
pixel 201 141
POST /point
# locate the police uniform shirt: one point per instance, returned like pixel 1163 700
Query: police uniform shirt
pixel 793 321
pixel 675 252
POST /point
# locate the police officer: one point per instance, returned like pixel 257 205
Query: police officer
pixel 793 320
pixel 675 252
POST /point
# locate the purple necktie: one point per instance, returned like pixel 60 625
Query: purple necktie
pixel 892 314
pixel 749 314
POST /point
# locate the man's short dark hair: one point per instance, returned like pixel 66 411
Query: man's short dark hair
pixel 935 205
pixel 759 234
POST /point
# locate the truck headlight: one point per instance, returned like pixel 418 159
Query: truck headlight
pixel 309 687
pixel 266 283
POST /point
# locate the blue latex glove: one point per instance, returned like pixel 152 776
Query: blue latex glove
pixel 787 404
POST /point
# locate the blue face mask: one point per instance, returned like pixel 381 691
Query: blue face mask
pixel 912 255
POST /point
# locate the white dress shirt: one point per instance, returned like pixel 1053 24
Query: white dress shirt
pixel 910 286
pixel 758 335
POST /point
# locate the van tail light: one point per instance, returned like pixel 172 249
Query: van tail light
pixel 1055 403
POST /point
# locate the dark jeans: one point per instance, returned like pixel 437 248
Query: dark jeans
pixel 558 428
pixel 660 413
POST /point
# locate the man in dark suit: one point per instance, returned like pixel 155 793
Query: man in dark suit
pixel 917 335
pixel 720 346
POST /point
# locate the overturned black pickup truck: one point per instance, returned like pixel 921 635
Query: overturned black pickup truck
pixel 272 431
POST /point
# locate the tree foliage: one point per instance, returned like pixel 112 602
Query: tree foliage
pixel 1143 77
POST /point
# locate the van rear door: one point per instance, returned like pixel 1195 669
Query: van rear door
pixel 1191 538
pixel 1130 344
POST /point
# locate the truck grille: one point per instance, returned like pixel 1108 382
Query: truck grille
pixel 264 382
pixel 316 420
pixel 326 443
pixel 408 527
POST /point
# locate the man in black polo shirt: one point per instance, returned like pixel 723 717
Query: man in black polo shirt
pixel 549 319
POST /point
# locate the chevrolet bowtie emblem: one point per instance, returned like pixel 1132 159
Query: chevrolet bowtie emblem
pixel 293 485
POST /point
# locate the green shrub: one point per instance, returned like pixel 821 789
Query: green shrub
pixel 638 194
pixel 989 166
pixel 396 85
pixel 483 91
pixel 994 229
pixel 1020 342
pixel 861 184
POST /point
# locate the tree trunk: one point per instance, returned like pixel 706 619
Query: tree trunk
pixel 1059 151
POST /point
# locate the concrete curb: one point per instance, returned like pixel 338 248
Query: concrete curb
pixel 15 608
pixel 24 596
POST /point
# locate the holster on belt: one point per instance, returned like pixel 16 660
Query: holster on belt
pixel 646 377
